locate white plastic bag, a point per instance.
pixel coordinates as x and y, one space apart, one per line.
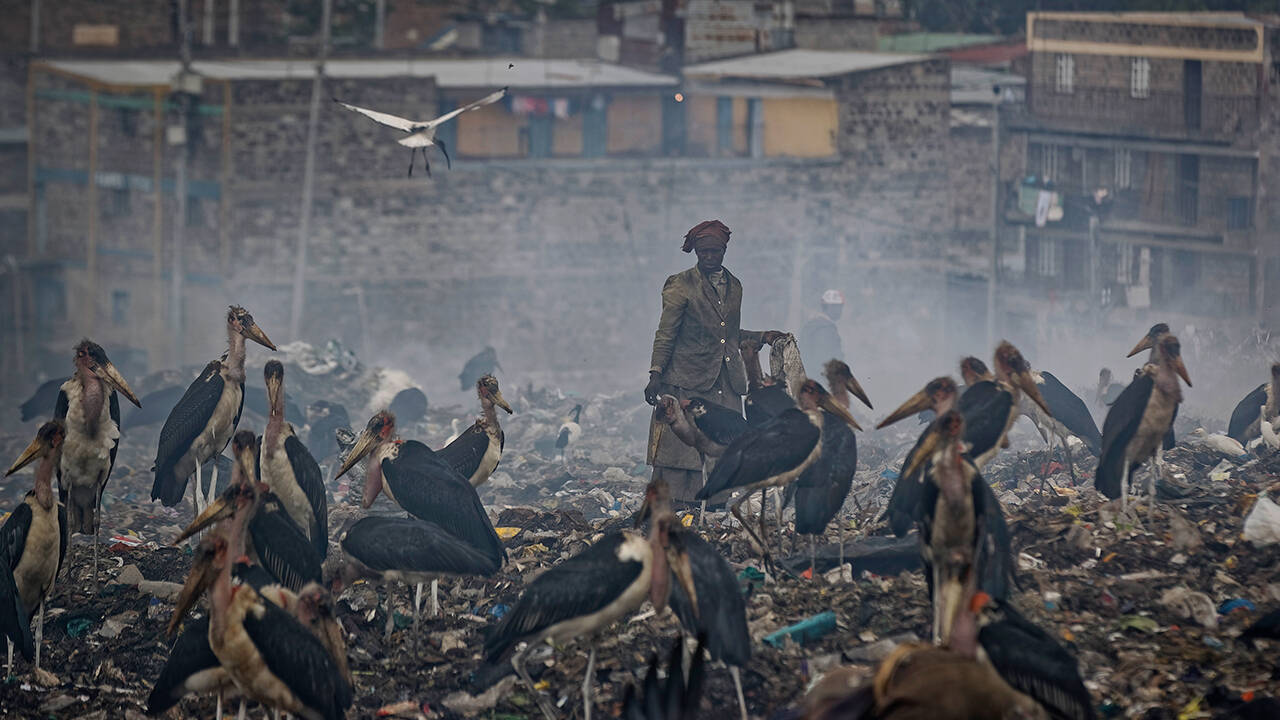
1262 527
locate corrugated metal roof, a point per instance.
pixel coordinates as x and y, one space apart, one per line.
925 42
448 73
970 85
799 64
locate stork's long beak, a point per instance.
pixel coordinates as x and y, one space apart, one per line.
254 333
1144 344
34 450
275 394
829 404
915 404
678 559
1181 370
1027 384
364 444
112 377
855 387
500 402
218 510
928 447
203 572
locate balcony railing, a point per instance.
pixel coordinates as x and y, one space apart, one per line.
1117 111
1181 206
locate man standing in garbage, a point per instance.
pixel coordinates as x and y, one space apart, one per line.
820 338
695 351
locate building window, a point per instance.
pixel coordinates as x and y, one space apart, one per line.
595 127
1050 161
1140 78
1239 216
1047 260
1124 263
116 202
1124 169
724 126
120 307
755 127
540 134
1065 80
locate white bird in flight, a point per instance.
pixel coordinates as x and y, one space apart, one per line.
422 133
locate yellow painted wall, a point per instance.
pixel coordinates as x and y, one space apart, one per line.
566 136
490 131
799 127
700 118
739 126
635 124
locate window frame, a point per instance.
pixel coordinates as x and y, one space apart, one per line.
1140 78
1064 81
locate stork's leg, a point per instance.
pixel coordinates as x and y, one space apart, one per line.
778 496
586 683
1071 465
936 571
8 667
417 604
1124 487
240 715
764 499
39 635
813 557
97 535
212 492
391 618
413 154
218 711
735 508
517 662
840 525
435 597
197 492
737 685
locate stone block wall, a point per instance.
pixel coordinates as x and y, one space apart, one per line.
834 33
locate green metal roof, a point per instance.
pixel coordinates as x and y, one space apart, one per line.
924 42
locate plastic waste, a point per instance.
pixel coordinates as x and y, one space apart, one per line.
811 628
1191 604
1234 604
1262 527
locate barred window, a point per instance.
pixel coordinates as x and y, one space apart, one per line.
1140 78
1065 81
1124 169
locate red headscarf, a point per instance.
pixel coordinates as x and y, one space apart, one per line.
710 229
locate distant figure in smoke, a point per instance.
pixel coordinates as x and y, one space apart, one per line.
481 364
820 338
695 351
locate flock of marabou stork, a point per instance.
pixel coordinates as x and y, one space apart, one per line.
270 636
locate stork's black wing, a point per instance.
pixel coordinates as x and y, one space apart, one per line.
905 503
1118 429
767 402
985 407
43 399
189 655
185 422
282 547
674 698
584 584
299 660
61 406
761 453
430 490
1247 411
156 406
255 576
1267 626
722 611
466 451
306 472
1033 663
1068 409
15 619
822 488
411 545
721 424
994 558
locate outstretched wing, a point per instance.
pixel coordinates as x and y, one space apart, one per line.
382 118
486 100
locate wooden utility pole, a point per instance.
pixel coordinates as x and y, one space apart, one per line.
308 179
995 218
186 107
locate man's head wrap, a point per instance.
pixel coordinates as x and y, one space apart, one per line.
711 230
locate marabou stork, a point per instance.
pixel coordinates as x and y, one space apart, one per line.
1068 415
410 405
720 621
774 453
270 655
1140 418
570 431
668 410
476 452
1108 391
1265 627
422 133
323 417
990 404
202 423
191 669
156 408
408 550
477 366
720 424
679 698
766 396
33 541
423 484
42 399
259 402
288 468
1261 405
822 488
964 541
1148 342
594 589
90 410
938 397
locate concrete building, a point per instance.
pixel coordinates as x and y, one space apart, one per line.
1145 158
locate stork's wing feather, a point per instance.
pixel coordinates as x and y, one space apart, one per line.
1070 410
985 407
299 660
760 453
382 118
430 490
722 611
307 474
1118 429
189 655
466 451
1036 665
905 503
15 621
185 422
767 402
721 424
822 488
412 545
584 584
1246 412
282 547
486 100
62 405
44 396
995 555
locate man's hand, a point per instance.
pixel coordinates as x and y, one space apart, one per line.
772 336
652 390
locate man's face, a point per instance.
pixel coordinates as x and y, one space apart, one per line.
710 255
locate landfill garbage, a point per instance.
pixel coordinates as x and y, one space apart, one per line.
1191 605
807 630
1262 526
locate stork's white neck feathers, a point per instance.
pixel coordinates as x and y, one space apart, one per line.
235 355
